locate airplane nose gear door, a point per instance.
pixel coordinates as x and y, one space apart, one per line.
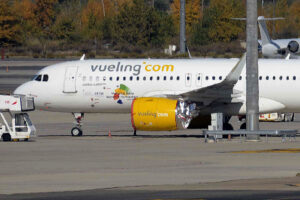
70 80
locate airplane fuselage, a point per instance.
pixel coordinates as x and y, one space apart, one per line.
111 85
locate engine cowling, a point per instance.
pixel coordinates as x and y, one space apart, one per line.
160 114
293 46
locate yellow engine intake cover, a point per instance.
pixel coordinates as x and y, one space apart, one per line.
153 114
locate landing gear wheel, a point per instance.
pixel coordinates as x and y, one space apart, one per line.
227 126
243 126
6 137
76 132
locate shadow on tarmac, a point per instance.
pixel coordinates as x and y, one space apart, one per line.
128 135
118 194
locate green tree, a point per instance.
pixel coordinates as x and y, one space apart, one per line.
67 24
192 10
162 5
141 25
222 27
24 10
294 17
282 27
9 24
92 18
44 16
199 34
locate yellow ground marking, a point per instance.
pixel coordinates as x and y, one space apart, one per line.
290 150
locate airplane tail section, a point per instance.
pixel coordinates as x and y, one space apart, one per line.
264 33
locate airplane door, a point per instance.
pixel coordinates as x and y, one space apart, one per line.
188 79
70 80
199 80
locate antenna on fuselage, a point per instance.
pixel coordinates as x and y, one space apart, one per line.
82 57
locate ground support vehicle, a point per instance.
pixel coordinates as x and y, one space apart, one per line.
19 125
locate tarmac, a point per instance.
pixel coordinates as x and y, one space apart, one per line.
152 165
180 160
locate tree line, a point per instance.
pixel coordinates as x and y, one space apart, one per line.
102 27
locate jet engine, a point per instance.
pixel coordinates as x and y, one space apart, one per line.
161 114
293 46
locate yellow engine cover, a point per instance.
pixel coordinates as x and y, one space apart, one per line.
153 114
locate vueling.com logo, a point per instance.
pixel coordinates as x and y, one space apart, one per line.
156 68
134 68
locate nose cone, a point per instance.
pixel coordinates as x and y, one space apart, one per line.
22 89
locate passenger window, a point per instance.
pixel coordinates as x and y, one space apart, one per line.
198 78
267 77
124 78
240 78
38 78
206 78
137 78
104 78
220 77
118 78
144 78
294 78
178 78
188 78
287 78
171 78
84 78
213 78
260 78
131 78
165 78
280 77
45 78
157 78
274 78
151 78
110 78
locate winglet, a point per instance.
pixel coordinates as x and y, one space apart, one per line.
82 57
235 73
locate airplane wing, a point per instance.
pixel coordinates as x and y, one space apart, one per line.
222 92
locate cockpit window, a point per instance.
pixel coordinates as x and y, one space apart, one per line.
45 78
38 77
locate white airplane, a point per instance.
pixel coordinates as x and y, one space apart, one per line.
275 48
162 94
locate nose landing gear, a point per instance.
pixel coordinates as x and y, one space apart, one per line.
77 131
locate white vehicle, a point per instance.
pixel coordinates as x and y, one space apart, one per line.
20 126
275 48
163 94
277 117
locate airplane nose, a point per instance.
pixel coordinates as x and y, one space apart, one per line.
22 90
